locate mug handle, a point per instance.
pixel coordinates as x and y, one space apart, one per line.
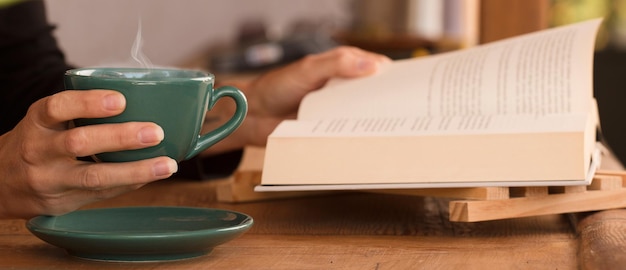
214 136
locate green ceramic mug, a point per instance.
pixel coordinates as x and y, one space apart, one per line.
175 99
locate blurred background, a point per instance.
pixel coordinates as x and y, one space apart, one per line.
248 36
101 32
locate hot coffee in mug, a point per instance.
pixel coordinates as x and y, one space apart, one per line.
175 99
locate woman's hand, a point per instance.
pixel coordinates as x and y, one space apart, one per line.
276 95
39 170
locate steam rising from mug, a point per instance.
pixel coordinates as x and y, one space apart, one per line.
136 52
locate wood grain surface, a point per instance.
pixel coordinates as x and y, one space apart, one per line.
337 231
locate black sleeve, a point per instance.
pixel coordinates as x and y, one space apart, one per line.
31 63
211 167
32 67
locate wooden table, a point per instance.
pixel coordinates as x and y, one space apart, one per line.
356 231
342 231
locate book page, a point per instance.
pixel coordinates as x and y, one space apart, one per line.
546 72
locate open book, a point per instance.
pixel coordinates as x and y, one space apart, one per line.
517 112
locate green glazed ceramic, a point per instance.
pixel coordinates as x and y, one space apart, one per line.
175 99
140 233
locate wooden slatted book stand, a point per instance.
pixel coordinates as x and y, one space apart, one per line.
607 191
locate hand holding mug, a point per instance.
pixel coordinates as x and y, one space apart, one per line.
42 175
176 100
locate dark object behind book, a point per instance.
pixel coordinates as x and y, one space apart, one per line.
255 51
610 92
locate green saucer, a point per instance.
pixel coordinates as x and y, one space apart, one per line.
140 233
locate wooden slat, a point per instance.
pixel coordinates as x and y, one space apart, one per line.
619 173
606 182
471 211
567 189
528 191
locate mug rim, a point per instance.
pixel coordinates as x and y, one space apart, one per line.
201 75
